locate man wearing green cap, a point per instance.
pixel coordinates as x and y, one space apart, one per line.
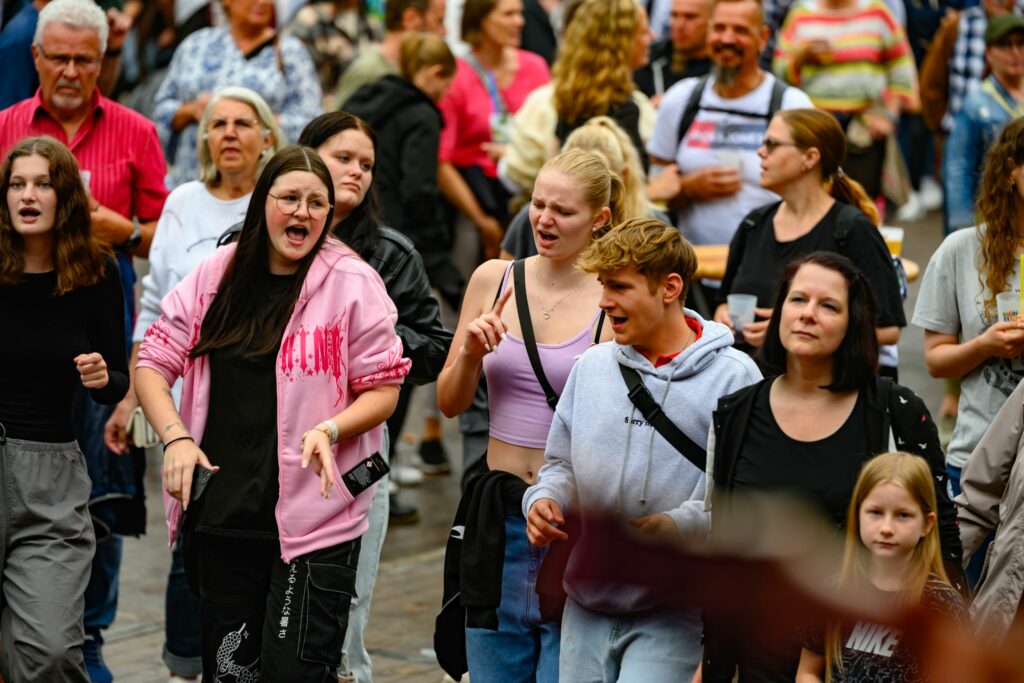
983 115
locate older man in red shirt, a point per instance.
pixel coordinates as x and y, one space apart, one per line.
123 168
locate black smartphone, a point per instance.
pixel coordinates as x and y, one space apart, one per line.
200 478
365 474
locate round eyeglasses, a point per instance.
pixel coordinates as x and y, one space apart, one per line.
288 204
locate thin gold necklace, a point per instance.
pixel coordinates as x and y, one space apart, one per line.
547 311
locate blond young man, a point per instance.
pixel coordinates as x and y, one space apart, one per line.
602 455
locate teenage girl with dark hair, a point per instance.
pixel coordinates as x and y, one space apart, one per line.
63 315
287 328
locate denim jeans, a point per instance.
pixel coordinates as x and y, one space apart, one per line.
183 653
977 563
355 659
524 649
102 591
651 647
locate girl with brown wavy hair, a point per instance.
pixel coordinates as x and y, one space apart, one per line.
593 76
822 209
63 314
963 335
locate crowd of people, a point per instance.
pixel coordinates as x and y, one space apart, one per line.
499 201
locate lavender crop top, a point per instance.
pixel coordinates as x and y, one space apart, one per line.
519 410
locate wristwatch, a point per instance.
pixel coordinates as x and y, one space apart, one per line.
133 241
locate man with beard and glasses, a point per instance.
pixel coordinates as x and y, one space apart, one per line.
123 168
708 129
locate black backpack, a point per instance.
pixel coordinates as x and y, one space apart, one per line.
693 105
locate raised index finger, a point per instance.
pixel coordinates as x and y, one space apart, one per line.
499 305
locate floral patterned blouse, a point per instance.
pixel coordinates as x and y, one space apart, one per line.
280 70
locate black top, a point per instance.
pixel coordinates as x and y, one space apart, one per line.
241 438
42 334
408 127
769 460
757 258
880 652
661 64
627 115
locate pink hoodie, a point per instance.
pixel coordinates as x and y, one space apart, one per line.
339 342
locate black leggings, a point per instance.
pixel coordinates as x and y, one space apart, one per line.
262 619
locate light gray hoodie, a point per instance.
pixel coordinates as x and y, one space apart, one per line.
603 456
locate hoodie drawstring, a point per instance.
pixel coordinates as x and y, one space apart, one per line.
650 448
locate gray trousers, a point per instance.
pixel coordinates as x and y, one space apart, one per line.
46 549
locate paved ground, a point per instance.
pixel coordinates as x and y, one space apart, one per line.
409 588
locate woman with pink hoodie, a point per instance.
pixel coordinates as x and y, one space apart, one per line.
287 351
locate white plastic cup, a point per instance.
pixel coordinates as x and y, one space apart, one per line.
741 309
893 239
731 157
1008 304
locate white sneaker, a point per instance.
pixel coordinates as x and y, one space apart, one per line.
931 194
913 210
403 475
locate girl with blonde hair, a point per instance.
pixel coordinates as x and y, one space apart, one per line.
605 137
541 306
593 76
892 555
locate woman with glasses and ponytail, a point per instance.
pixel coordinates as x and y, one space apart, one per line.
822 209
286 347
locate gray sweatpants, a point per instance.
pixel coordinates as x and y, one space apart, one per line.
46 549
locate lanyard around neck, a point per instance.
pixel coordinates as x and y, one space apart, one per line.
1010 106
486 77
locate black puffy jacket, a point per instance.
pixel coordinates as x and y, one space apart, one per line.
408 128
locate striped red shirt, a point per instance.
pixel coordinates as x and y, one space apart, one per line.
118 147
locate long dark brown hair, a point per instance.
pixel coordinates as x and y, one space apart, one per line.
234 317
361 230
998 212
78 257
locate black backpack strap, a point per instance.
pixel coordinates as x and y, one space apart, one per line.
501 285
692 107
652 412
526 324
600 324
779 88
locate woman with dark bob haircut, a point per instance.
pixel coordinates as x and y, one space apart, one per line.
63 320
286 347
807 428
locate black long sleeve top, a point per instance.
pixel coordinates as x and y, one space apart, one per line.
41 335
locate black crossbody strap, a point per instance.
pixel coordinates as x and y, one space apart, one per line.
600 325
653 413
523 309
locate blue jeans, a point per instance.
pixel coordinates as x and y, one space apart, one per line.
650 647
977 562
524 649
183 653
101 592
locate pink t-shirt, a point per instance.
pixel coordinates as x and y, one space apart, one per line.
467 108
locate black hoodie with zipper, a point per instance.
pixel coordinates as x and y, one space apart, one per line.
408 127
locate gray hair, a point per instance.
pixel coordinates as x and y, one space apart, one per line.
77 13
208 172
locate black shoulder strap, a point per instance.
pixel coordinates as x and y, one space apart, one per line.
778 92
652 412
885 394
843 222
600 324
526 324
692 107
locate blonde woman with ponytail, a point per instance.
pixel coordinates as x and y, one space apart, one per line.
822 209
575 199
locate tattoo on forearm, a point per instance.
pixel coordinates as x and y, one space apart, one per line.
168 428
